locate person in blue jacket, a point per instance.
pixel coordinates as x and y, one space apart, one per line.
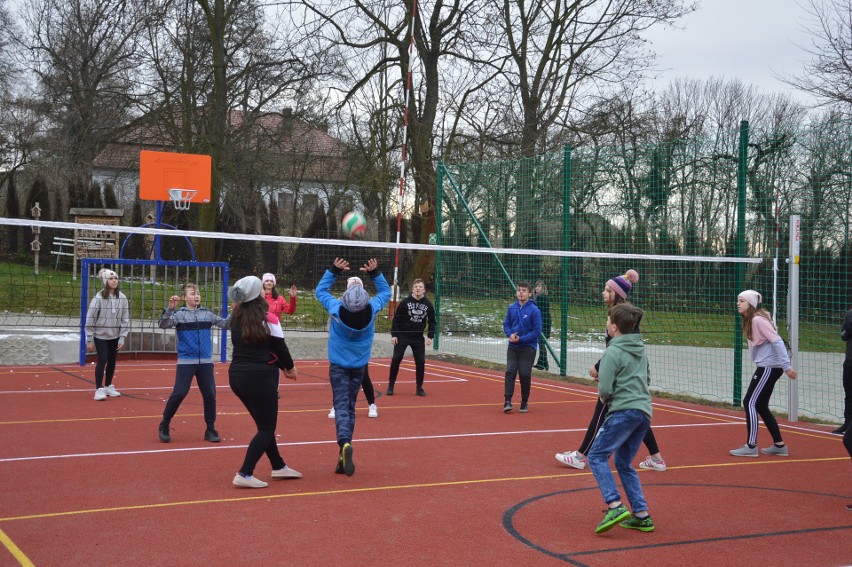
195 357
350 340
522 327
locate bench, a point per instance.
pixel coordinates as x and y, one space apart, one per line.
65 247
59 246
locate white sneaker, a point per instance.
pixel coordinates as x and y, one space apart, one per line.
331 414
100 394
112 392
286 472
248 482
373 412
653 465
572 459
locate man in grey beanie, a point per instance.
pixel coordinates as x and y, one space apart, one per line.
350 340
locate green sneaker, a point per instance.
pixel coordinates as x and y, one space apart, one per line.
612 517
645 524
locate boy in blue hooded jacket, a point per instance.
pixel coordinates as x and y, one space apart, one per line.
522 327
350 340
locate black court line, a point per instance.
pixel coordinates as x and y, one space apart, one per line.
508 524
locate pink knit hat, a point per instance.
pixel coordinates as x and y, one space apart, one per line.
268 278
354 280
623 284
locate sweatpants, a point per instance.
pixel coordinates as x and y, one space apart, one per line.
256 385
756 403
418 350
519 362
107 350
205 376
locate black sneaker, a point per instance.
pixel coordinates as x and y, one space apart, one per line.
389 391
507 407
524 408
164 433
421 392
539 367
211 435
339 468
840 430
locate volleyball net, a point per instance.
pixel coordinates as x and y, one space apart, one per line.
692 337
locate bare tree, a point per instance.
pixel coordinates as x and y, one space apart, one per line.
828 75
219 70
84 54
379 33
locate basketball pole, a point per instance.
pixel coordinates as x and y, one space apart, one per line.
405 109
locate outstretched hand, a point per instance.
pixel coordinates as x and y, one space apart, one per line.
341 264
371 265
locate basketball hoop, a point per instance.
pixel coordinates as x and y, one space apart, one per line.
181 198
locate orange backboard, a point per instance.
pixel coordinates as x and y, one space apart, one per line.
161 171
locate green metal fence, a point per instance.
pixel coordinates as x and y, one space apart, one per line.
691 208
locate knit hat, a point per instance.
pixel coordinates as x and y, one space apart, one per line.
752 297
106 274
354 280
623 284
269 277
355 299
245 289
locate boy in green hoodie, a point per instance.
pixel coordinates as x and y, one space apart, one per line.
623 386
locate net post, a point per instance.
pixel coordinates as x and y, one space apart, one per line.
793 314
563 262
739 270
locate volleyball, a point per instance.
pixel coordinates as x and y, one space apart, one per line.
353 225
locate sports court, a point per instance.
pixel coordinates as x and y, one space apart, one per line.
443 480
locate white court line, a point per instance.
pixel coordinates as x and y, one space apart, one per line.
333 442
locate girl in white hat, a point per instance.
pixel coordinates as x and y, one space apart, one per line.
769 354
107 325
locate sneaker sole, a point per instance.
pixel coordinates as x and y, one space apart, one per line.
775 454
507 410
348 465
643 467
754 456
612 523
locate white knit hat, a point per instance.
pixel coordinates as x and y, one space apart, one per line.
752 297
354 280
105 274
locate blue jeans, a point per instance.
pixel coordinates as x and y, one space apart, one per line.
621 433
345 384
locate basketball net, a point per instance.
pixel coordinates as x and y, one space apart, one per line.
181 198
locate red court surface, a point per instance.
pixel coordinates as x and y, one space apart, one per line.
443 480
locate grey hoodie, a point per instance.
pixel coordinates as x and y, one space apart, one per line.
108 318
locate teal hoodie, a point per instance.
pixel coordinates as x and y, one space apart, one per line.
623 377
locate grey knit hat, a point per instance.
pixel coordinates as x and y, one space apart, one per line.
245 289
355 298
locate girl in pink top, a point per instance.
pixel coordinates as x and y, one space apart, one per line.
277 303
769 354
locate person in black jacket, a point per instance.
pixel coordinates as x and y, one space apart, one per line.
259 352
409 322
543 303
846 335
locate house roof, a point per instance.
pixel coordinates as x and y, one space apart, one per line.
278 145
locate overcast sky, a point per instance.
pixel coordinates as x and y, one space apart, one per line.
748 39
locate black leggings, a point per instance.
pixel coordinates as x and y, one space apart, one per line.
256 385
107 350
367 386
595 424
756 403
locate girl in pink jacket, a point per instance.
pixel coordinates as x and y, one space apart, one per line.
769 354
277 303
